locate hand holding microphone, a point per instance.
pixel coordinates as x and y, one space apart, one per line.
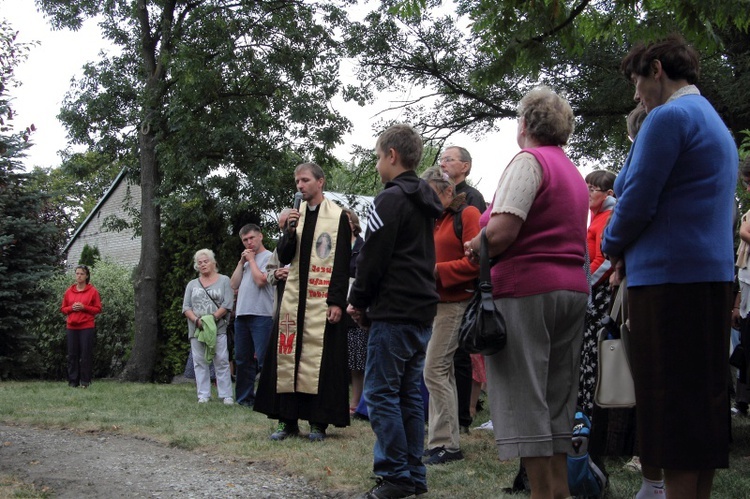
297 202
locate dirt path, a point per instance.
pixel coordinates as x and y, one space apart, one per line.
76 465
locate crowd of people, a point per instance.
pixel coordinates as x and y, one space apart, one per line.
328 306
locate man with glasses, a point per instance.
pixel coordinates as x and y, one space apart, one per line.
456 162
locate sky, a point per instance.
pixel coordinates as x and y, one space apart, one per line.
46 77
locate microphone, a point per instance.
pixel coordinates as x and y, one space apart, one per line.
297 203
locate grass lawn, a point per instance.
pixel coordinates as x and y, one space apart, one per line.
342 464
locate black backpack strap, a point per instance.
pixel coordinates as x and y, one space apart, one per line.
458 224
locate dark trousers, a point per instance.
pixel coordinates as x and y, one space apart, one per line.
462 370
80 355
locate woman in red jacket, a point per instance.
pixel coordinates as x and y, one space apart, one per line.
601 204
81 303
455 277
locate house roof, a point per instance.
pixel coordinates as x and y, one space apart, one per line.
96 209
361 205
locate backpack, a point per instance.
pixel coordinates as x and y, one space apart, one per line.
458 224
585 479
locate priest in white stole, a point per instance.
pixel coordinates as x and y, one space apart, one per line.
305 370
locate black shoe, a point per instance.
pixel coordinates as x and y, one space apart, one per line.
440 455
284 431
317 433
520 483
740 409
387 490
464 429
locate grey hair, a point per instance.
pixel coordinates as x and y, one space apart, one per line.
435 176
208 253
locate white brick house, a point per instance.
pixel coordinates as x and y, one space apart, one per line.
122 247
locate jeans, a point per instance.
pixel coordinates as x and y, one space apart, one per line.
80 355
393 373
251 333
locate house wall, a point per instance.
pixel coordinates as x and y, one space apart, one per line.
120 247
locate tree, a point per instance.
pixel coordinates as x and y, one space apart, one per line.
476 63
199 87
76 186
114 326
89 255
29 240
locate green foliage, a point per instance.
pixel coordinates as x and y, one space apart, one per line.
200 222
476 63
743 196
744 149
114 325
241 88
29 239
89 255
77 185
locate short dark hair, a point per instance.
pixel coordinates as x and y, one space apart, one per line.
678 59
603 179
314 168
405 141
248 228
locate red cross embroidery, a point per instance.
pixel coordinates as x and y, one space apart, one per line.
286 335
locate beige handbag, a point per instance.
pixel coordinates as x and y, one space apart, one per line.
614 384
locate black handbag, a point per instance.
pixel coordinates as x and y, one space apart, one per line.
482 328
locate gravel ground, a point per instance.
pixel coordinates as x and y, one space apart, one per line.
75 465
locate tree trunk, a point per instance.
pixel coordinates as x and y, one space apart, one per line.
140 366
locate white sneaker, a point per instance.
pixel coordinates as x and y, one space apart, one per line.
202 400
228 401
485 426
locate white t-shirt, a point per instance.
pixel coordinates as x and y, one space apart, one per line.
252 300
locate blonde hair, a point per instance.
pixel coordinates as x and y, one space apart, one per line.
208 253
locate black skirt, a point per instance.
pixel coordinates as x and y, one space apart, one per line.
679 353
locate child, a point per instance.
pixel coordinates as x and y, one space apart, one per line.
394 295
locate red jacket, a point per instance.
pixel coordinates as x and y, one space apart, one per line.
456 274
92 305
599 266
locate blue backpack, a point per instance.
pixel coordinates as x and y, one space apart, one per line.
585 479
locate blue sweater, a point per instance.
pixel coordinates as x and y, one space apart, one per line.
673 219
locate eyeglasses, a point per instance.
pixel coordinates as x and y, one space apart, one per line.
450 159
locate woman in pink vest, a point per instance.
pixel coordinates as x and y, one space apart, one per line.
536 228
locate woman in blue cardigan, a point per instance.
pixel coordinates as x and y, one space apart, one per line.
671 232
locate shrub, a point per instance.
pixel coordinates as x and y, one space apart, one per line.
114 326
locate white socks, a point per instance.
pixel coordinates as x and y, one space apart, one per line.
651 489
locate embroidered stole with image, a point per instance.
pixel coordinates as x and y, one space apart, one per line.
304 377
